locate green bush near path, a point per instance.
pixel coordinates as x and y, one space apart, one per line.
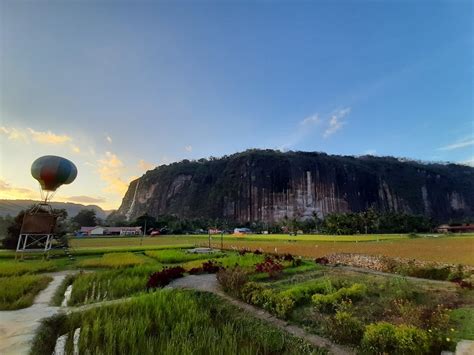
170 322
20 291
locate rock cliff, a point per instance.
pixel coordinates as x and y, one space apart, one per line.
266 185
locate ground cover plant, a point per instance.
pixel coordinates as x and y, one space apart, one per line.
14 267
247 260
353 309
169 322
110 284
20 291
174 256
113 260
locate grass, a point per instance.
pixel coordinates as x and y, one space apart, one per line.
169 322
15 268
247 261
463 319
20 291
178 256
59 293
113 260
112 284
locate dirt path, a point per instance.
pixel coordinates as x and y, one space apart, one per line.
17 328
209 283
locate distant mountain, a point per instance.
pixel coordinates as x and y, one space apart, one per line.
266 185
12 207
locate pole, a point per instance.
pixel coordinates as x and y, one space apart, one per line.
209 232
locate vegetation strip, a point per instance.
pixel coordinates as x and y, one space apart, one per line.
260 314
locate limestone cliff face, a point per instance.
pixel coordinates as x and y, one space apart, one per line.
269 185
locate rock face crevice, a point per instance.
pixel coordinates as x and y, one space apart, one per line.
268 186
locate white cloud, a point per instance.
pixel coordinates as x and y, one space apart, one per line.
188 148
111 170
84 199
336 121
75 149
466 142
8 191
48 137
311 120
42 137
108 138
144 165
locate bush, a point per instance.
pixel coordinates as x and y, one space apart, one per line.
164 277
386 338
211 267
344 328
270 266
232 280
276 303
329 301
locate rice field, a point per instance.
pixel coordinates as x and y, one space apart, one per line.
110 284
113 261
20 291
168 322
15 268
173 256
447 249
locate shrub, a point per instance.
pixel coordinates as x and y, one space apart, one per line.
322 261
270 266
196 271
386 338
329 301
211 266
280 304
344 328
164 277
232 280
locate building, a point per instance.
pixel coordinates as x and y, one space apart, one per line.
241 231
462 228
99 231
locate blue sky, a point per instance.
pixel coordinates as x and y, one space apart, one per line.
119 87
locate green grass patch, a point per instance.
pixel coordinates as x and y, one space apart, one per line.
113 260
15 268
247 261
463 319
170 322
59 293
112 284
174 256
20 291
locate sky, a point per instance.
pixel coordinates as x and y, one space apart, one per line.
119 87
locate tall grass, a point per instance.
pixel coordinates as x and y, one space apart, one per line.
19 291
108 285
178 256
172 322
246 261
13 267
113 260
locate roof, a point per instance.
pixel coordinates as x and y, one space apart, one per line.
111 229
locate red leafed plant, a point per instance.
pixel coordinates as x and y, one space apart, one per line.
164 277
270 266
211 267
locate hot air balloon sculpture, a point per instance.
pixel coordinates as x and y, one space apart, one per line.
37 229
52 172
